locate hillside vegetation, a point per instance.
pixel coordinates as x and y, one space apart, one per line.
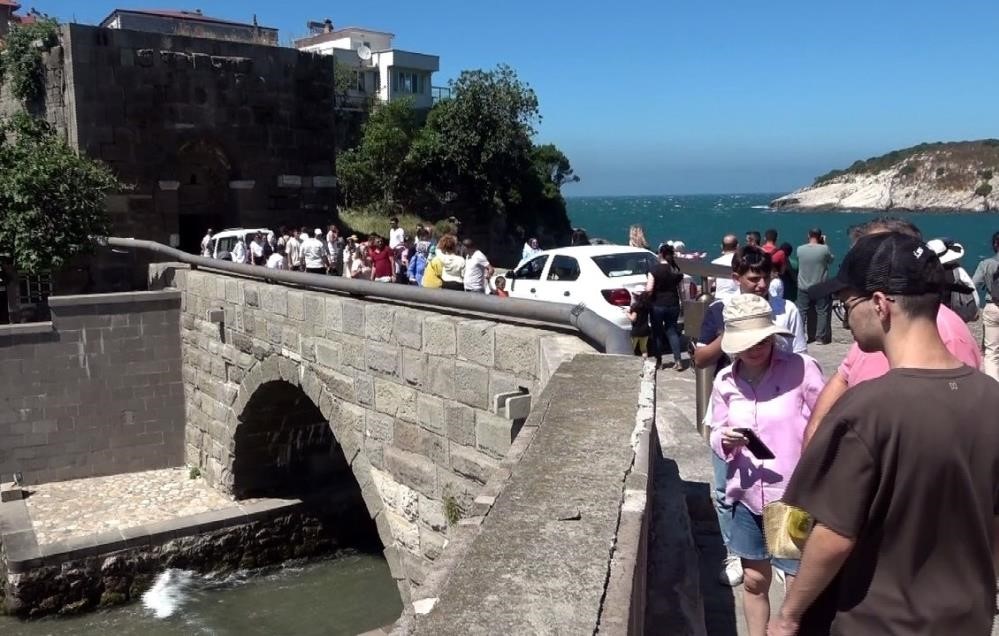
983 154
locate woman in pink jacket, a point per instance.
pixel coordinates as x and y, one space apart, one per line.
767 396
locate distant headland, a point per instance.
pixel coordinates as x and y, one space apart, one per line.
952 176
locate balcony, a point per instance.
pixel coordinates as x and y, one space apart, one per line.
439 93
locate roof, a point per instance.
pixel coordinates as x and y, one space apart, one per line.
319 38
180 14
24 19
10 3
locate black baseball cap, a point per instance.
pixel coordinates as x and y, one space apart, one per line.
890 263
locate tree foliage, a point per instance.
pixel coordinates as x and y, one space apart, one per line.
21 60
983 190
51 199
474 158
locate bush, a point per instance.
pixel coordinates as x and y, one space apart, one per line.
985 174
983 190
21 61
941 172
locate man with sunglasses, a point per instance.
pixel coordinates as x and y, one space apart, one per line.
859 365
902 478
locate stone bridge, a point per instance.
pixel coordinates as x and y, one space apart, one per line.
286 387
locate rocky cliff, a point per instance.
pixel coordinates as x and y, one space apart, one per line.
931 177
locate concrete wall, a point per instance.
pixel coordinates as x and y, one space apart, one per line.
406 390
97 391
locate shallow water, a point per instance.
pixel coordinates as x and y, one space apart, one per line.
346 595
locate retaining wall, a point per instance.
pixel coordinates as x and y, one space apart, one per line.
96 391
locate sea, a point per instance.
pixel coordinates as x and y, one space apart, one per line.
701 220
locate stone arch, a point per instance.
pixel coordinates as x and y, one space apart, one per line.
342 421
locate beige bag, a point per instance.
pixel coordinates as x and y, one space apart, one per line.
785 529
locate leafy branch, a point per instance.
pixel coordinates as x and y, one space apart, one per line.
21 60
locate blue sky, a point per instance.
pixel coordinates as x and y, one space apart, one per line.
686 96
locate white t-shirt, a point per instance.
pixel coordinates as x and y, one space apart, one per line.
256 248
397 236
293 248
239 252
206 246
276 261
312 252
725 287
475 271
776 288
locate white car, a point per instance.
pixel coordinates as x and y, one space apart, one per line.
224 241
603 277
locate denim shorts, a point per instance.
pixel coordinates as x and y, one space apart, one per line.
747 542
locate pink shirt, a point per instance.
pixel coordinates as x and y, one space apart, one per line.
859 366
778 411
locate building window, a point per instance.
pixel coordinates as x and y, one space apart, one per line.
359 80
410 82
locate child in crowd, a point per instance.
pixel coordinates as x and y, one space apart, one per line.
641 329
501 287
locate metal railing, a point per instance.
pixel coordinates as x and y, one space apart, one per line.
597 329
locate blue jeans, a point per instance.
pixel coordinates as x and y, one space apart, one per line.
722 508
664 328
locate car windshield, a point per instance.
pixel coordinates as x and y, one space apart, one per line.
625 264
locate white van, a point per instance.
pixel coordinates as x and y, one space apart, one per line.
224 241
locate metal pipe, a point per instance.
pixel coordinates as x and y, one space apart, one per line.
596 328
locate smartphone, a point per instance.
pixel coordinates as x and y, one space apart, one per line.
755 445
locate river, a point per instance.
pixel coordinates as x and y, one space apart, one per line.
346 595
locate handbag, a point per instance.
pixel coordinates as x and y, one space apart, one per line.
785 529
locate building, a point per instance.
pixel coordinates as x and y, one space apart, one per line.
189 23
377 69
8 17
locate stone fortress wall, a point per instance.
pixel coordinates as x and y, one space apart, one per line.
97 391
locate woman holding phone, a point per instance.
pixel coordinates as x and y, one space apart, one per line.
760 405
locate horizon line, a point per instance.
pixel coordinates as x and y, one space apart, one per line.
669 194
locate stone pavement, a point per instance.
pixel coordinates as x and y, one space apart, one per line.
81 507
680 442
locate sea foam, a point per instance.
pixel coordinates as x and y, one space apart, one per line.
168 593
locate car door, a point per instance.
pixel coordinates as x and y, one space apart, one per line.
561 281
524 281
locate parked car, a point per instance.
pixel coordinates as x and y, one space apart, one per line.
603 277
225 240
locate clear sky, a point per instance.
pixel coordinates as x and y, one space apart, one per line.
687 96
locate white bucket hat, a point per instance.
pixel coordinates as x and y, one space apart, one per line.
946 250
748 320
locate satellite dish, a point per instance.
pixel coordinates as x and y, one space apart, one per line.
364 52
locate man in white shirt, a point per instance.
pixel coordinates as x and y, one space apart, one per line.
314 253
727 287
206 244
239 251
531 249
277 260
293 251
397 235
477 269
257 249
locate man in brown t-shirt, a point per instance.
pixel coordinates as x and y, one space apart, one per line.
902 478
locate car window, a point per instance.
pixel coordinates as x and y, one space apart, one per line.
626 264
531 270
226 244
564 268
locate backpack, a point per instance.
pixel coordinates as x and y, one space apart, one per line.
963 304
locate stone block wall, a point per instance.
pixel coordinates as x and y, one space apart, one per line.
407 391
97 391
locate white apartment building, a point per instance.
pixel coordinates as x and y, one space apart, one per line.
377 69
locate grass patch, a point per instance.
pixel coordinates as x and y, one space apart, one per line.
368 220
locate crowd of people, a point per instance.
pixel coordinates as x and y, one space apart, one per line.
419 258
886 458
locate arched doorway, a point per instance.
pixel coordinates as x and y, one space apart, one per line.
285 448
203 172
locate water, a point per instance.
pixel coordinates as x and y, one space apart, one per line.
701 220
346 595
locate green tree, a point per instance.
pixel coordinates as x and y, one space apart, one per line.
983 190
51 201
371 172
553 165
21 59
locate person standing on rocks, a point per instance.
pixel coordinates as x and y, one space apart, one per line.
901 479
814 258
987 277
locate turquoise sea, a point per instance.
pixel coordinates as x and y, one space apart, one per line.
701 220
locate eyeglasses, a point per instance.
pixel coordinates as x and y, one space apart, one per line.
843 309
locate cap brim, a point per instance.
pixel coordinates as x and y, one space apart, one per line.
827 287
735 342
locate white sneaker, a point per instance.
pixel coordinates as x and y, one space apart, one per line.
731 574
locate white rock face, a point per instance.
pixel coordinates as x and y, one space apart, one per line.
916 187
